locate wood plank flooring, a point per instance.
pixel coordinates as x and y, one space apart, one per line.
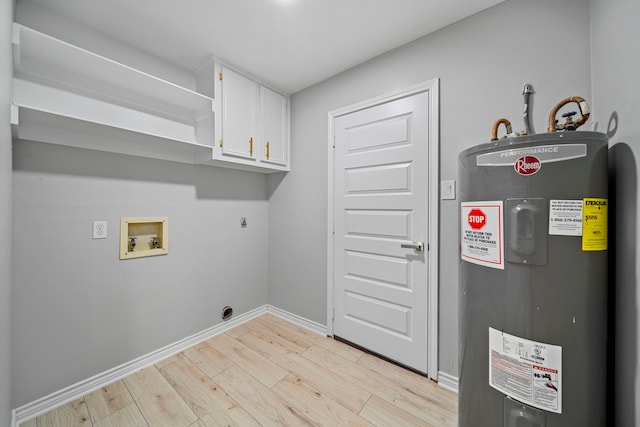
266 372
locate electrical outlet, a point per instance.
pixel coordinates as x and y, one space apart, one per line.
99 229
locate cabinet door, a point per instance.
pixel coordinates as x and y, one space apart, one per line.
239 115
274 118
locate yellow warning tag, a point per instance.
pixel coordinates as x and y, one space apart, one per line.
594 224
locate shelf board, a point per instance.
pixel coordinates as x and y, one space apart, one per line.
34 125
68 104
42 58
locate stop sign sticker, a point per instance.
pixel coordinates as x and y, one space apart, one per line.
477 219
482 237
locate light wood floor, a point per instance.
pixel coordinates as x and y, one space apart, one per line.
266 372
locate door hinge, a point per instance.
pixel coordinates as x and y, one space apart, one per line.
220 75
333 313
334 141
220 143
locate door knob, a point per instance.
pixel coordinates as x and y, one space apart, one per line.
417 246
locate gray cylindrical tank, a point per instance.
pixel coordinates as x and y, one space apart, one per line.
548 287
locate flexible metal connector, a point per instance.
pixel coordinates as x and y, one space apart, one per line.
527 91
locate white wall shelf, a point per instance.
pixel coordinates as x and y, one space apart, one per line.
67 95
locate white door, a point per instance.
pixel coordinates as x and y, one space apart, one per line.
380 212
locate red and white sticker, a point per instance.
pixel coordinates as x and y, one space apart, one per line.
526 370
482 235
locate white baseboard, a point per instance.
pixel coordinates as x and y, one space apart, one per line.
76 391
299 320
447 381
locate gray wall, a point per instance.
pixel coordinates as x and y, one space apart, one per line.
483 63
77 309
6 73
616 87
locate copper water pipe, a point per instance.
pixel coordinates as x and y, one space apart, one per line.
494 129
584 111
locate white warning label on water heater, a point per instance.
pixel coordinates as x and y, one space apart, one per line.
565 217
525 370
482 233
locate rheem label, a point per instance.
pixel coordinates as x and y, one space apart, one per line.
527 165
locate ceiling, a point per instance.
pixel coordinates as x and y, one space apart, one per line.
287 44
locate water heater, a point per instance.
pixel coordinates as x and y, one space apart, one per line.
533 281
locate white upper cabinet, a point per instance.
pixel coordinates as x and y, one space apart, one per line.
239 116
67 95
254 129
275 127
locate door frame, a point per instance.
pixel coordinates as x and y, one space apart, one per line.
432 253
